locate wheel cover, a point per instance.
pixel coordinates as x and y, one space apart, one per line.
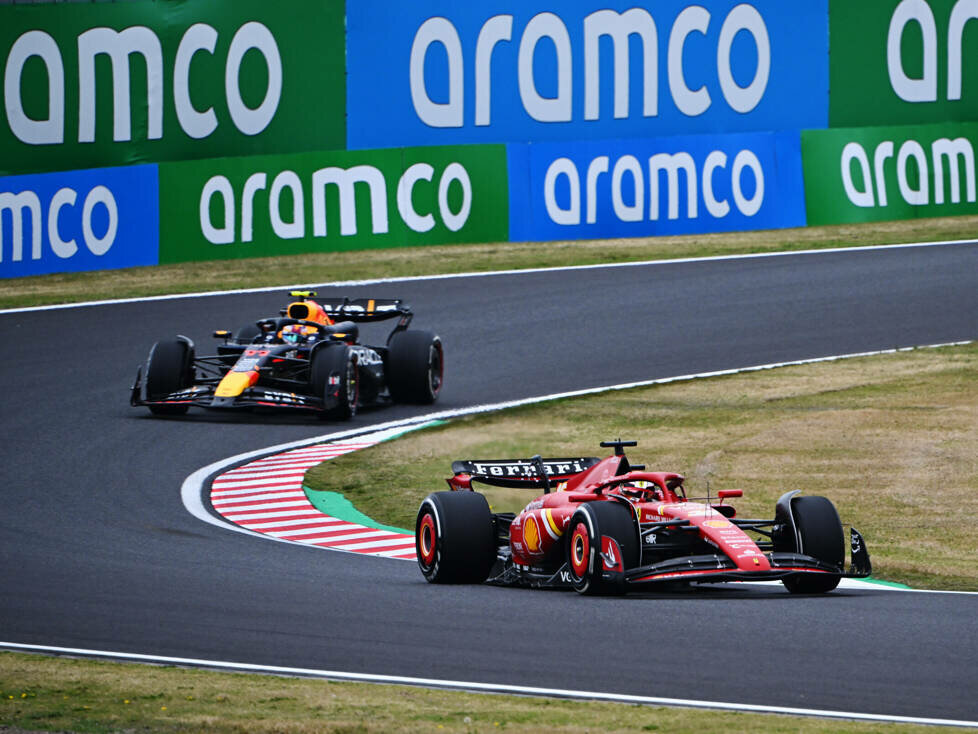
580 550
427 540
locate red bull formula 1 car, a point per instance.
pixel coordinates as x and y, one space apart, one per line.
608 526
308 358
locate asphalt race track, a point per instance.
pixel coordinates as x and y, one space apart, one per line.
98 552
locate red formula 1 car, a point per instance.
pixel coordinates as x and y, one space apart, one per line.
607 526
308 358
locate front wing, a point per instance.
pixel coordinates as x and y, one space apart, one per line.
202 396
698 569
713 568
717 568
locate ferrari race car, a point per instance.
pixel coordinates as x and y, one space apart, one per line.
608 526
308 358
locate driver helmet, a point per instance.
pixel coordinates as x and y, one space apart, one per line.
295 333
640 489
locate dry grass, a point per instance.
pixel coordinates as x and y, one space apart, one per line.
892 440
335 266
58 694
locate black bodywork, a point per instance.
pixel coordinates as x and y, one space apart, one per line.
288 374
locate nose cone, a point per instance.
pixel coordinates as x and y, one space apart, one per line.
235 383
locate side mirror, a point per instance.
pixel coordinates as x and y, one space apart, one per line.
222 334
728 493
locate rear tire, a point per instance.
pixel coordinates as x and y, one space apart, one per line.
169 369
334 379
822 538
415 367
587 525
454 538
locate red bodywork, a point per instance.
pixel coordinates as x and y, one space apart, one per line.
538 532
603 526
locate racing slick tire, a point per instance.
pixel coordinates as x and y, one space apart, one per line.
454 538
170 368
591 521
415 367
246 334
821 537
334 379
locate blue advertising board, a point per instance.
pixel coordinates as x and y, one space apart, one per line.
97 219
683 184
438 72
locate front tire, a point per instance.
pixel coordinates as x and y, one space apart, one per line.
169 369
822 537
415 367
334 379
587 525
454 538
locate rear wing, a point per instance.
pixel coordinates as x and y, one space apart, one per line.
519 473
367 309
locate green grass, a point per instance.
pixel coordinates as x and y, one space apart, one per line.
891 440
60 694
405 261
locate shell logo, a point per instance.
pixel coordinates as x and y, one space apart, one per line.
716 523
531 534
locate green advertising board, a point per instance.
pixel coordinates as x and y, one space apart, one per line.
878 173
92 85
896 62
329 201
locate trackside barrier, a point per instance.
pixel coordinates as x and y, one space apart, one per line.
671 185
118 83
332 200
903 62
539 122
441 72
877 173
80 220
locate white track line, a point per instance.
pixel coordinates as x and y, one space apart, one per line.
193 486
487 274
244 519
486 687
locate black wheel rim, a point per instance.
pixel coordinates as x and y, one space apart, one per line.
435 369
